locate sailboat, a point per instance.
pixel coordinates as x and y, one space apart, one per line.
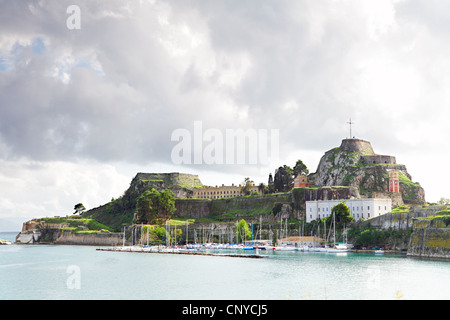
285 247
337 248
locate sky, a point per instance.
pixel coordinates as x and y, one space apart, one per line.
93 92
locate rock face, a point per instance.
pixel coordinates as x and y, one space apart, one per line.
5 242
355 163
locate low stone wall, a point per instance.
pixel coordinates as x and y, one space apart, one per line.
90 239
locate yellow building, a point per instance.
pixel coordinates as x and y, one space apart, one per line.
223 191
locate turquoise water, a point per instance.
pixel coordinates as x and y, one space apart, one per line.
77 272
10 236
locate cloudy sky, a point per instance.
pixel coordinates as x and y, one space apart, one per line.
88 100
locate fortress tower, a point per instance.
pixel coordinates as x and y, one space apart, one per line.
393 181
357 145
367 153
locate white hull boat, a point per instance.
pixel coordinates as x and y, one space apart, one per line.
337 250
285 249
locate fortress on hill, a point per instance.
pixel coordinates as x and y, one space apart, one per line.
351 171
355 163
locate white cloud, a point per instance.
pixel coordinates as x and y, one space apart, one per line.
31 189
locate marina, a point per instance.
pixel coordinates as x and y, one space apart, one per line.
241 251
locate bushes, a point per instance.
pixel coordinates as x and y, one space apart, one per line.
373 237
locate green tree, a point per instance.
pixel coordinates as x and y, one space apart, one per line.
342 213
300 168
145 207
262 188
79 208
283 180
166 204
243 231
247 185
154 207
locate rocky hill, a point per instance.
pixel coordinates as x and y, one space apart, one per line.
120 211
355 163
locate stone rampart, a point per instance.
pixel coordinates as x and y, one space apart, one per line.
357 145
430 239
377 158
401 220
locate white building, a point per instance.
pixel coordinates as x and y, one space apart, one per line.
359 208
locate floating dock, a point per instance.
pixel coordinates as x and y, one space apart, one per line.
180 251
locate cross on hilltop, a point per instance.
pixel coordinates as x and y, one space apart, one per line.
350 124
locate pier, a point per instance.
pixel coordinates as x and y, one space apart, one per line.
163 250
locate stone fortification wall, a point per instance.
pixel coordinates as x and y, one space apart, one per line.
196 208
59 236
90 239
192 208
430 239
401 220
376 158
288 204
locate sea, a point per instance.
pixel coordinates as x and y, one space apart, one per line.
55 272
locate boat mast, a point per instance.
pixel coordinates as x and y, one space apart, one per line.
260 228
334 228
286 230
123 244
